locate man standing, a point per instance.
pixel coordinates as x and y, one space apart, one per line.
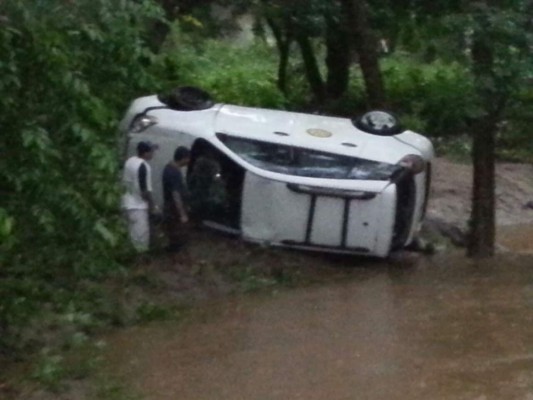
175 195
137 201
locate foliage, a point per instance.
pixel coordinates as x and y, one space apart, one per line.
68 71
238 75
514 138
50 371
505 30
500 60
435 97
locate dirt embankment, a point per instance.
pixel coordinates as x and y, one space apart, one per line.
451 189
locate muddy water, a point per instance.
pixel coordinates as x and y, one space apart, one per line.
443 328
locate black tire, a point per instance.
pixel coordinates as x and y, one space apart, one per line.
378 122
187 98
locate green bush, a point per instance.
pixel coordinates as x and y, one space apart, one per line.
68 71
514 139
434 97
237 75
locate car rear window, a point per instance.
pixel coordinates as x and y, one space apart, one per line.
299 161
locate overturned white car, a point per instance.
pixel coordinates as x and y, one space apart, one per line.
290 179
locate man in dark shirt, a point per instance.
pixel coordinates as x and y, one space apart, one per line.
175 195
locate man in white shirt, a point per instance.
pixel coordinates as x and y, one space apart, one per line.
137 200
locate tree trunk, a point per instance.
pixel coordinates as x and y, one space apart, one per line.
283 64
367 49
482 221
338 57
283 43
311 68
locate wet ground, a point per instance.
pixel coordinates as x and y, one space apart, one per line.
439 328
451 193
434 328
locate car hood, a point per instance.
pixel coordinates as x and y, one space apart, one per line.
324 133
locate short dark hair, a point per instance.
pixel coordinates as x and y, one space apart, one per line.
145 147
181 153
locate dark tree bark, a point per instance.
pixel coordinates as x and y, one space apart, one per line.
482 221
311 67
367 49
338 56
283 43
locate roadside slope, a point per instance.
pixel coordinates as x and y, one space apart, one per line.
452 186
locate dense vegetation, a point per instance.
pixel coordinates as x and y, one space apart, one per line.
69 69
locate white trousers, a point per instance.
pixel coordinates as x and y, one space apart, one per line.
139 229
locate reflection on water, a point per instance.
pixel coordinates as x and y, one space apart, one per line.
446 328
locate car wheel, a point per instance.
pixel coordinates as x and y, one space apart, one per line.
380 123
187 98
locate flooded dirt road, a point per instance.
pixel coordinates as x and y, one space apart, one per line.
443 328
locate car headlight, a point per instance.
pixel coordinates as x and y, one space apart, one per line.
415 164
142 122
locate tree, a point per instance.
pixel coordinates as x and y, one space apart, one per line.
339 52
492 38
342 26
175 9
284 36
300 22
501 59
367 49
68 71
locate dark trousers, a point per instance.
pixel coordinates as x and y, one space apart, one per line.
174 230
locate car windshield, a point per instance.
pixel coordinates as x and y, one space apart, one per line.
298 161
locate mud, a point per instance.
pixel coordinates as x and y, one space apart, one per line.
445 328
451 191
